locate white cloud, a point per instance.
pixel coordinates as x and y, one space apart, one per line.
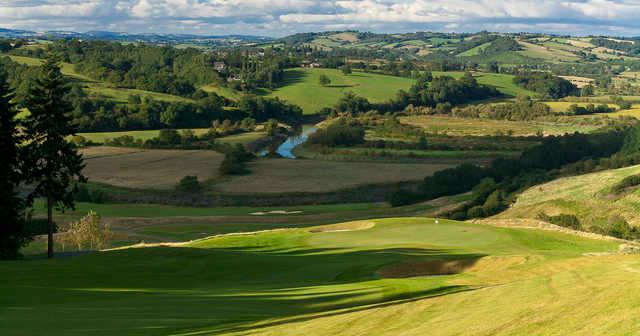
277 17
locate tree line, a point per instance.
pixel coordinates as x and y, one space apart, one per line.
494 187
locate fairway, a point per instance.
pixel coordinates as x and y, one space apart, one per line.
302 87
331 280
284 175
148 168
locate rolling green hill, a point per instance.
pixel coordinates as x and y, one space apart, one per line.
302 87
360 278
99 88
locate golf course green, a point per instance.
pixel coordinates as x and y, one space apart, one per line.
411 274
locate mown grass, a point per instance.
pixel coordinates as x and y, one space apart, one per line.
293 282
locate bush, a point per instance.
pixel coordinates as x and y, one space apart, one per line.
189 184
627 182
568 221
400 198
339 133
84 194
618 227
234 161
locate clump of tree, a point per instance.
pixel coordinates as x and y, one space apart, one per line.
522 109
235 160
546 84
352 103
339 133
575 109
324 80
189 184
262 109
429 91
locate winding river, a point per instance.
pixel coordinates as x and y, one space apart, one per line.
286 148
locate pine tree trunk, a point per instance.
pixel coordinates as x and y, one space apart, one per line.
50 226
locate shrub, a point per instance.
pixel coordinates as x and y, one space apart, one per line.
618 227
234 161
339 133
88 232
568 221
627 182
189 184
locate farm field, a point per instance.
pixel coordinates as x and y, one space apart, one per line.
285 175
101 137
148 168
548 53
406 274
302 88
586 196
479 127
242 138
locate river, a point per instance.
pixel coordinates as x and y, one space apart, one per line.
286 148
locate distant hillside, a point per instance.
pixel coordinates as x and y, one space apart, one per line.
204 40
588 197
482 47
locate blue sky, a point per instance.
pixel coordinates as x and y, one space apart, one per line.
284 17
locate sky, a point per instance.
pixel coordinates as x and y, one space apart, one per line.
284 17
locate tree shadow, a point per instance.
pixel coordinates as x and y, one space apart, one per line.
220 289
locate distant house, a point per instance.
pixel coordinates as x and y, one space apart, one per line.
309 64
219 66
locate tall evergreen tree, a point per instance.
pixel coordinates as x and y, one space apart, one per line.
13 234
53 163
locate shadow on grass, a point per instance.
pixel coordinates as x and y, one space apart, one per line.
209 290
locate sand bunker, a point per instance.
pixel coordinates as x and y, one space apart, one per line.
342 227
418 268
276 212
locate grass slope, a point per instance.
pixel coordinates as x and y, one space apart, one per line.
375 280
503 82
586 196
302 87
98 88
